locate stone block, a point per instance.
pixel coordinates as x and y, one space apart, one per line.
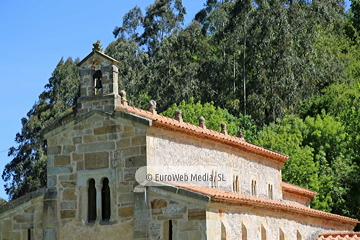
141 234
112 136
69 194
137 161
196 214
169 217
68 184
123 143
141 224
141 214
90 139
77 157
126 212
68 205
68 149
96 147
128 128
52 141
108 129
77 140
188 226
96 160
131 151
102 138
194 235
126 198
67 214
80 166
127 134
52 150
49 234
155 226
24 218
61 160
59 170
158 203
51 181
176 210
138 140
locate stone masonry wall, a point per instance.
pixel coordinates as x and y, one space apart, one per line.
234 222
188 219
179 150
97 146
18 219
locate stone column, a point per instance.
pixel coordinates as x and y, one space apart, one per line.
98 202
141 213
50 215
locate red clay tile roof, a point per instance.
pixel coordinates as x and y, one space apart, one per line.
219 196
339 236
173 125
287 187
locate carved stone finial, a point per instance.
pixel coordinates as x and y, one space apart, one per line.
152 106
178 116
240 134
97 46
123 98
223 129
202 122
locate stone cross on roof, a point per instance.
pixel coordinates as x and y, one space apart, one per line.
97 46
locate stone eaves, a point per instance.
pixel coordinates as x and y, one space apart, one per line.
339 236
101 54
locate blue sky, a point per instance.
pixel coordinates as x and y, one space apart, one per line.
34 35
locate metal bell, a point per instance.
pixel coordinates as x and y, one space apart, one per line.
97 77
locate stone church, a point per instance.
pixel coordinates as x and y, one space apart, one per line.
94 160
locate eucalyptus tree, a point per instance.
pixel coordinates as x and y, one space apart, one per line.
27 170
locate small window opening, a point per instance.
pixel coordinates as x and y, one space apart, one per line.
91 201
270 192
29 234
168 230
243 232
237 184
263 233
298 235
105 200
223 232
281 233
97 81
253 187
216 183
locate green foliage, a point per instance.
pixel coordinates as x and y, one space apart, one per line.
214 116
320 158
27 170
2 201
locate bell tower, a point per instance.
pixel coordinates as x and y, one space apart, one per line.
98 82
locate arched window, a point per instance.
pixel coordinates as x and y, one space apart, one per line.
298 235
263 233
243 232
282 235
270 192
223 232
91 201
105 200
253 187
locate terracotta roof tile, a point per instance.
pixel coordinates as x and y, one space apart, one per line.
287 187
339 236
216 195
174 125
